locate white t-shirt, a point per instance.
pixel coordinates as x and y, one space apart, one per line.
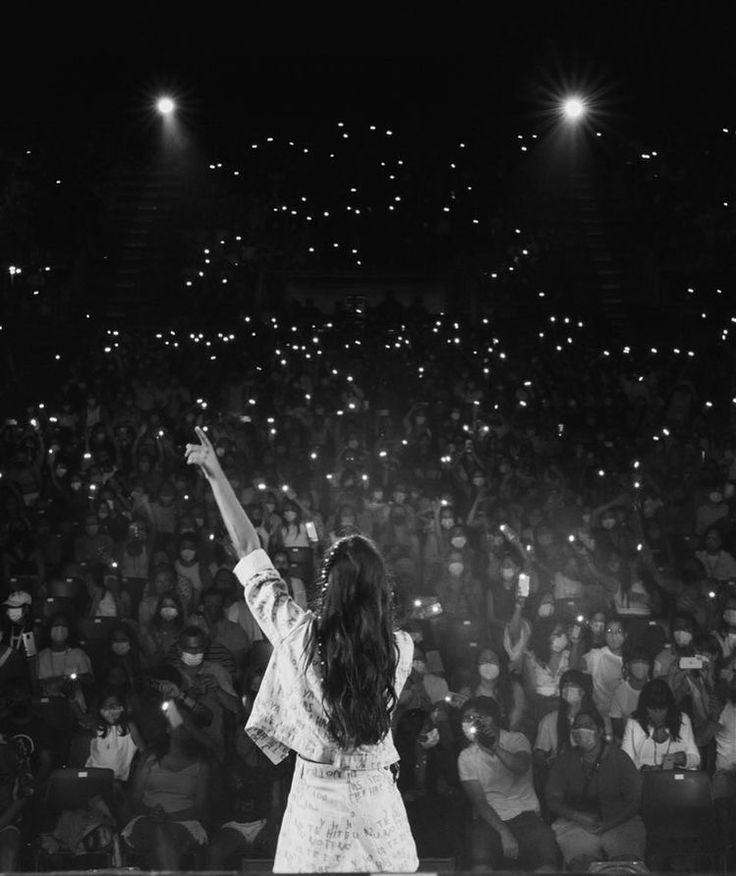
605 668
508 793
644 751
624 701
726 739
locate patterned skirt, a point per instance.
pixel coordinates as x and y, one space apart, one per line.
344 821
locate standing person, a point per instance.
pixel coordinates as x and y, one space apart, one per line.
328 693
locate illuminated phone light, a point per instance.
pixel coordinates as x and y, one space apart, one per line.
712 594
261 486
580 618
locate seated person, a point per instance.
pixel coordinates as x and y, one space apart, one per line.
170 798
637 672
546 659
554 731
594 794
722 725
493 679
658 735
14 796
62 669
159 637
495 773
227 642
116 740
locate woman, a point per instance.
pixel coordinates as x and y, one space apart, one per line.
493 680
554 732
62 669
328 693
637 671
162 581
658 735
116 741
546 659
160 636
605 666
169 793
594 793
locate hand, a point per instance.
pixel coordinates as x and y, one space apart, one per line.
208 682
430 739
510 846
203 455
587 821
670 761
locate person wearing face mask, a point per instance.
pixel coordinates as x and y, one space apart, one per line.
19 631
122 660
493 680
227 643
594 795
293 538
658 735
458 591
717 563
554 731
710 512
134 554
116 740
666 663
495 774
158 638
637 671
605 666
92 544
206 683
437 544
62 669
192 575
546 658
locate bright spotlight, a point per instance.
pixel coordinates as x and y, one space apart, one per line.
165 106
573 108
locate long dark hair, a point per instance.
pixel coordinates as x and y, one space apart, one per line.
587 705
352 641
657 694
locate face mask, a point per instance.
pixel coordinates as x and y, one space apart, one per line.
478 482
508 574
447 523
559 643
546 609
220 451
729 616
199 521
103 514
15 614
169 613
192 659
419 666
458 541
399 498
187 555
456 568
640 670
469 730
121 648
572 695
455 416
489 671
682 638
111 716
584 736
716 498
76 486
608 523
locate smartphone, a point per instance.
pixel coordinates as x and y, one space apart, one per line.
696 662
311 531
522 588
173 715
456 700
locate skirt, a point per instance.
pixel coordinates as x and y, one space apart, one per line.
344 821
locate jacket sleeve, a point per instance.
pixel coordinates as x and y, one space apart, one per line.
268 597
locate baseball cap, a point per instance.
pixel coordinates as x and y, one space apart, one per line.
18 598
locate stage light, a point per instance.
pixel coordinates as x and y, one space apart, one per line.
573 108
165 106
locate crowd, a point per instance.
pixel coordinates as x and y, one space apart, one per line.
560 534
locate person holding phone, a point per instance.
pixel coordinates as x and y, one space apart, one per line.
328 693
